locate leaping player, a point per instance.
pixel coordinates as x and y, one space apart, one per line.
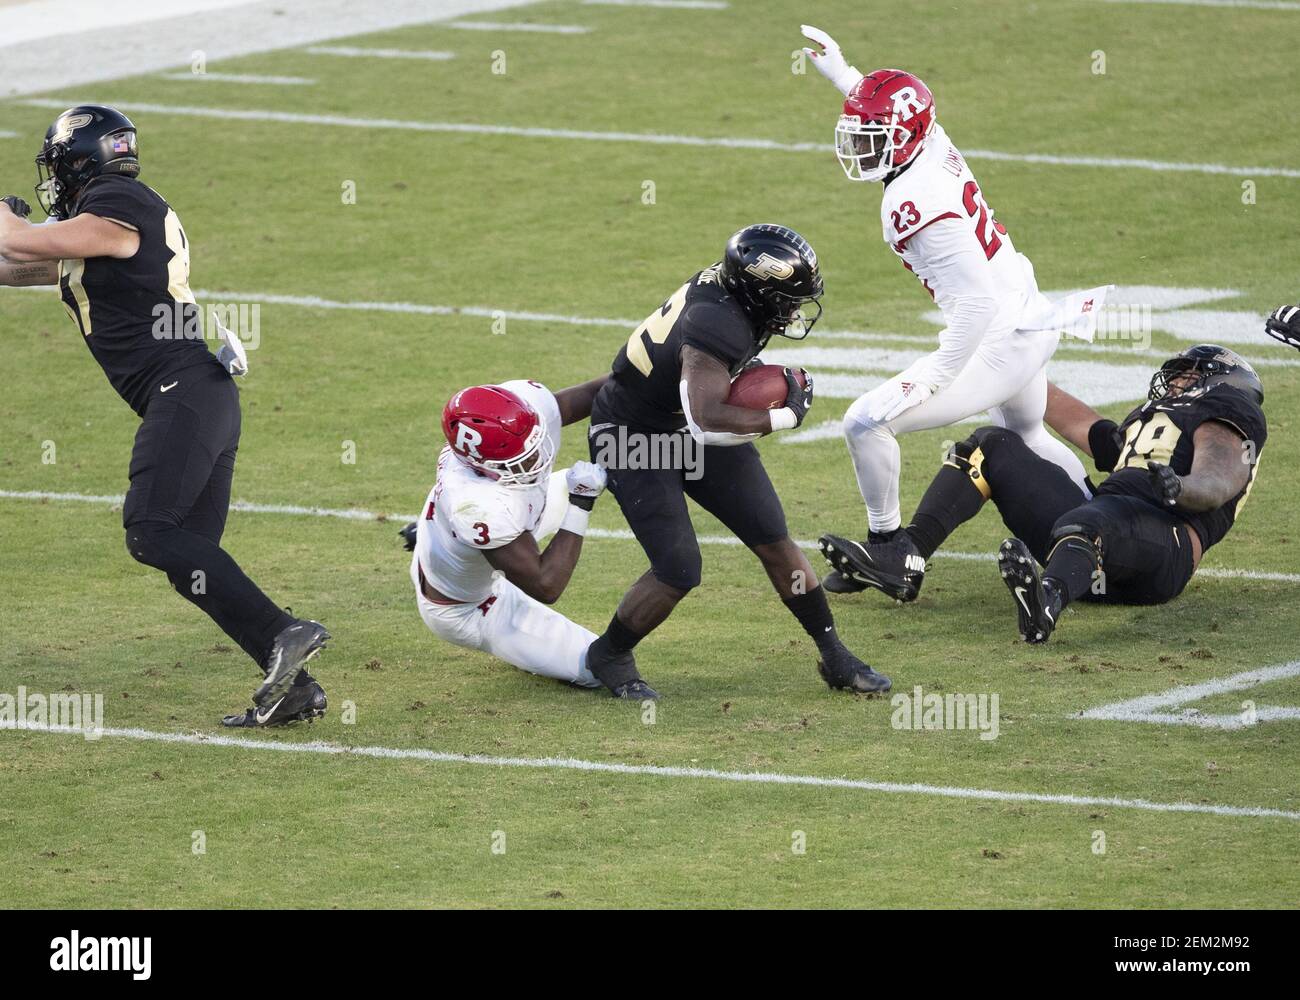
1001 331
480 579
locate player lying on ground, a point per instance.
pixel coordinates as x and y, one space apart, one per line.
1001 331
1181 466
494 499
122 261
673 378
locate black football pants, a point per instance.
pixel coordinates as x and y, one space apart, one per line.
175 510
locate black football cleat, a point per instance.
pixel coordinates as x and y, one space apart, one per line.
845 672
617 671
1038 605
836 582
407 535
303 703
895 568
293 647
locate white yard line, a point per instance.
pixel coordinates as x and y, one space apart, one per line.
1160 708
282 81
527 316
537 132
647 770
1247 4
541 29
615 534
72 54
669 4
356 52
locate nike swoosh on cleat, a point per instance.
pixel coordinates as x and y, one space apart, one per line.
261 717
1020 596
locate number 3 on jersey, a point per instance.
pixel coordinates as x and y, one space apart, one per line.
656 328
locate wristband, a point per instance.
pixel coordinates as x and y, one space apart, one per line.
575 520
783 419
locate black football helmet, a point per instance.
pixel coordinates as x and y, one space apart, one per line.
84 142
772 272
1212 365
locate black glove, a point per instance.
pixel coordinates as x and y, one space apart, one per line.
754 362
407 535
798 398
1166 483
1284 325
16 205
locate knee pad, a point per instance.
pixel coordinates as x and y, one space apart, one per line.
680 566
989 457
1079 530
147 543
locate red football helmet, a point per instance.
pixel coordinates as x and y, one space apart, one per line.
496 433
887 118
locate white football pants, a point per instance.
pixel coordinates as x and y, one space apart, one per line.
1007 376
511 625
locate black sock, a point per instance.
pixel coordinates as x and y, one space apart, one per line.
621 639
814 614
1071 568
951 500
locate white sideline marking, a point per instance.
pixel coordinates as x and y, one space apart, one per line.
545 29
1159 708
616 534
672 4
287 81
6 134
355 52
344 121
1250 4
182 27
699 773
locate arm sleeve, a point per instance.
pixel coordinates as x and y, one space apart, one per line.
961 277
724 438
117 201
719 331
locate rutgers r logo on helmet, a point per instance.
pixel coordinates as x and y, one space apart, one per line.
768 267
907 103
468 440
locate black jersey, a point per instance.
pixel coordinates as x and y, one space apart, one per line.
645 388
1163 431
138 315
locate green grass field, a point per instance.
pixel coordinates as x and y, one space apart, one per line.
559 226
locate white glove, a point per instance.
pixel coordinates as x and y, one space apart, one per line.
232 355
585 479
897 398
829 60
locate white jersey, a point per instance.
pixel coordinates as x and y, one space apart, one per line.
468 513
935 218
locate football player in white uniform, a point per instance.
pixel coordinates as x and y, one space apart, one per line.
480 579
1001 331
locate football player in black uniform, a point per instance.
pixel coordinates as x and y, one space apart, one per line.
673 378
1181 466
121 258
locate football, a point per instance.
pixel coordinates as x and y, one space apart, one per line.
761 387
